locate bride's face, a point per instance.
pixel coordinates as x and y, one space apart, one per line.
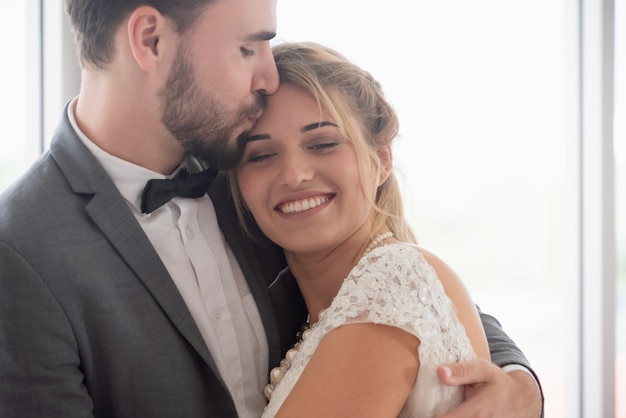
300 176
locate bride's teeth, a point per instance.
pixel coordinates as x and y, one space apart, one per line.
302 205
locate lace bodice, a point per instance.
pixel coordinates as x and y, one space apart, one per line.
394 285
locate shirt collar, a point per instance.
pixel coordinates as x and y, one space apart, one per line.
129 178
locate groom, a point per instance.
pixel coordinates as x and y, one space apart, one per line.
113 306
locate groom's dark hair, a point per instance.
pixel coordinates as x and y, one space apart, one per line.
94 22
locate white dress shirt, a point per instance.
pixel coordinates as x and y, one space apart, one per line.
187 238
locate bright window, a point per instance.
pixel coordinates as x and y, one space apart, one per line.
620 188
481 89
20 87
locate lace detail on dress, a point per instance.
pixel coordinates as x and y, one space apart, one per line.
394 285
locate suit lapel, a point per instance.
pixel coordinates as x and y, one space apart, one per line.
256 273
281 307
110 213
122 230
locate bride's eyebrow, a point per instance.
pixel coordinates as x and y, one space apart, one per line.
305 128
317 125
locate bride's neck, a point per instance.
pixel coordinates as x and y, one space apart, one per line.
320 277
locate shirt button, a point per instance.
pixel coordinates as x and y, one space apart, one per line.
217 312
189 232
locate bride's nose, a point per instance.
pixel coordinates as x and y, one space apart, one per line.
295 169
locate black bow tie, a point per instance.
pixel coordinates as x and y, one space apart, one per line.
158 192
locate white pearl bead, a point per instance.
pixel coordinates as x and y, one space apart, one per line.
306 333
276 374
291 354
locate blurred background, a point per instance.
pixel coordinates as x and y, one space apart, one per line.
512 153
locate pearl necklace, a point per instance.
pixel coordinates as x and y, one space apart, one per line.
278 373
377 241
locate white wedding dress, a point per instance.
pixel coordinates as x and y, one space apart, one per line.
394 285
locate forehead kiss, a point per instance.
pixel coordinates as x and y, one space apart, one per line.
292 110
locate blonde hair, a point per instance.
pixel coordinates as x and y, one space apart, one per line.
342 88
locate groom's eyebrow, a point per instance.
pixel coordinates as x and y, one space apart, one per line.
261 36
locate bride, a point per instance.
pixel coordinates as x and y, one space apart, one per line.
316 177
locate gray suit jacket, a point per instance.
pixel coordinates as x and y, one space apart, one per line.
90 321
91 324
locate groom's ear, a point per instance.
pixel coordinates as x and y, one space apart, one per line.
149 34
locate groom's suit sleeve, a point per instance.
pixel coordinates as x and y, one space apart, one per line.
504 351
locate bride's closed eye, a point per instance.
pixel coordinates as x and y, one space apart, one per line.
324 144
258 156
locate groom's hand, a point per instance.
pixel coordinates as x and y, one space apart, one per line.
490 392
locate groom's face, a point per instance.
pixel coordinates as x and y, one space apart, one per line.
218 81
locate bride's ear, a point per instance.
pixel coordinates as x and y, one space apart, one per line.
385 157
